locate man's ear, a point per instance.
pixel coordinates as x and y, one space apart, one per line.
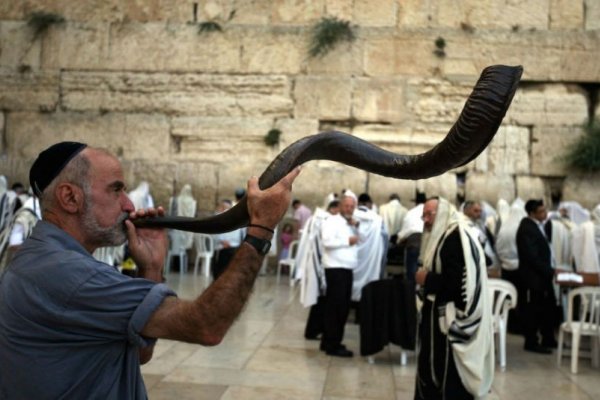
70 197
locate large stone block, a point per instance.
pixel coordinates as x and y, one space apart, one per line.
341 9
200 94
19 46
381 187
490 187
293 129
549 104
549 145
322 97
252 12
77 45
221 140
271 51
416 14
379 100
395 138
345 59
567 14
32 90
129 136
531 187
2 140
436 101
293 12
527 14
508 153
583 188
592 14
384 14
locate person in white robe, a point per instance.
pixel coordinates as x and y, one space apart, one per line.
184 205
141 197
393 213
586 244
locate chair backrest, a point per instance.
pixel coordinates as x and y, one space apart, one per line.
588 313
503 295
204 243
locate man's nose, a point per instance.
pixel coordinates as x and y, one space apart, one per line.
126 203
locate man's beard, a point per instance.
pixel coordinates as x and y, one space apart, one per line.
114 235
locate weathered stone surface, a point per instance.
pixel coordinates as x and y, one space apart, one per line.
221 140
252 12
2 150
17 45
379 100
293 129
322 97
549 145
203 94
509 151
342 9
397 139
583 188
77 45
381 187
384 14
549 104
435 101
31 90
133 136
272 51
489 187
566 14
296 12
592 14
345 59
530 187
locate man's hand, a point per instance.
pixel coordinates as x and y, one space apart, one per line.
421 276
267 207
353 240
148 246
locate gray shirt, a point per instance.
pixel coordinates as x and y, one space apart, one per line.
69 324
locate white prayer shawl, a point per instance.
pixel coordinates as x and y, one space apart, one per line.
141 197
412 222
576 213
561 245
473 356
506 241
393 214
185 207
371 249
586 244
308 260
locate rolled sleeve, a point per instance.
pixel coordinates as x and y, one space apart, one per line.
144 311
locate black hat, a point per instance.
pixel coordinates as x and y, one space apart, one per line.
50 162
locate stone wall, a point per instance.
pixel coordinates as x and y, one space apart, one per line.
179 106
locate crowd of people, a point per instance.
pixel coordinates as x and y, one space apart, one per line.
70 231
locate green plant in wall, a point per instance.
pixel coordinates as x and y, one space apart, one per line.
327 33
209 26
440 45
272 137
40 21
584 154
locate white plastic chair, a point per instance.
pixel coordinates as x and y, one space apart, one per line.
504 297
176 248
587 323
205 249
290 262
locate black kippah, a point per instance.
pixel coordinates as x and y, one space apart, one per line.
50 162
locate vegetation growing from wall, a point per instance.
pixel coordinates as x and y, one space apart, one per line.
328 33
40 21
272 137
584 155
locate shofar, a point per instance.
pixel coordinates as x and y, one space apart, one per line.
475 128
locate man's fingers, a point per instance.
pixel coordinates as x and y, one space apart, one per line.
253 184
290 177
131 234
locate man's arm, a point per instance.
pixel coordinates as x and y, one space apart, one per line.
206 319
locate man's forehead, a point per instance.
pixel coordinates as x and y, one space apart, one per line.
431 204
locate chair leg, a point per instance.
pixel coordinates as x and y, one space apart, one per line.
561 335
206 264
502 343
574 351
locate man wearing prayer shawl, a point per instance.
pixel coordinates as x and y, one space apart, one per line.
456 352
586 244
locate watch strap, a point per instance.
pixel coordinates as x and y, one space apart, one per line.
261 245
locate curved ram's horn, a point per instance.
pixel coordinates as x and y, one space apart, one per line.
472 132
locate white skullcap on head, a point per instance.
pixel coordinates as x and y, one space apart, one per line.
350 193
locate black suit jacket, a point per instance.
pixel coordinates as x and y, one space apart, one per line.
535 263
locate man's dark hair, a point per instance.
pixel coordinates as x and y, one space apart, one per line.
394 196
364 198
332 204
296 202
469 203
532 205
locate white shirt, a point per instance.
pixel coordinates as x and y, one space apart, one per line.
335 234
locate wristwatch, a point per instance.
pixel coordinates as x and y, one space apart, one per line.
261 245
